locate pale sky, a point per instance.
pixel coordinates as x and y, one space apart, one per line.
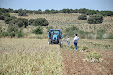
57 4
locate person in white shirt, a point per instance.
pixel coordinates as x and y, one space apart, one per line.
75 41
68 40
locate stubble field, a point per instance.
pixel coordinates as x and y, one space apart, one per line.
29 57
36 57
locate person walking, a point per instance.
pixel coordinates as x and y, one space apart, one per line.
68 40
75 40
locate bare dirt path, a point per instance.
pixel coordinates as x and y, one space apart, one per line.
74 64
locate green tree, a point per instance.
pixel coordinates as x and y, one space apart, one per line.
82 17
91 12
40 11
53 11
47 11
95 19
83 10
22 12
40 22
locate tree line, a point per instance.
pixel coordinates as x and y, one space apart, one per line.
47 11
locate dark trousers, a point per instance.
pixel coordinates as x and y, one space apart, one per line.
75 45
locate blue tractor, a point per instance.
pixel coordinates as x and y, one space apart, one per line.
55 36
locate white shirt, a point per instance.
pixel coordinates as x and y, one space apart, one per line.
68 40
76 38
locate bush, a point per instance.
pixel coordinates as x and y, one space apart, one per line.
25 21
12 28
2 17
100 33
40 22
8 19
1 13
22 13
82 17
16 22
12 34
38 30
6 14
110 36
31 21
20 34
4 34
20 22
95 19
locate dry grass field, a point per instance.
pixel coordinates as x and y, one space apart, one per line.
35 57
29 57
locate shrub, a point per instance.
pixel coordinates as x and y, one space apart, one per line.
20 22
40 22
12 28
4 34
8 19
6 14
12 34
95 19
110 36
38 30
20 34
1 13
22 13
16 22
31 21
82 17
25 21
100 33
2 17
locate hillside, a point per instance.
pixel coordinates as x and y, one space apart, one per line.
62 20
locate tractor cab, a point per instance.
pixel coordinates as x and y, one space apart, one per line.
54 36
